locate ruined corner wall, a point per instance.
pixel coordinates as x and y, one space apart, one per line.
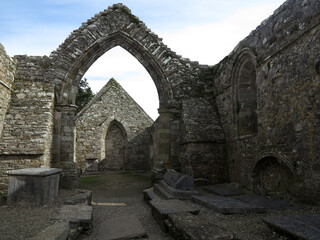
285 51
27 133
7 72
112 104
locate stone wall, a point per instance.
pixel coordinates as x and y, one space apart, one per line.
26 139
283 52
7 72
112 106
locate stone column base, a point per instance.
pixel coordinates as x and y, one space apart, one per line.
70 176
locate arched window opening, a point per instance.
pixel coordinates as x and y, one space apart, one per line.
246 97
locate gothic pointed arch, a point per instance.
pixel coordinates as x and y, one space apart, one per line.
115 26
245 94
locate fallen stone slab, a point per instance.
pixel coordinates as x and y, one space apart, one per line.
227 205
125 227
165 191
149 194
302 227
56 231
222 190
76 215
186 226
161 208
269 203
178 180
81 196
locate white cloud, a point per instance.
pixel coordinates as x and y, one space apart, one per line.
209 43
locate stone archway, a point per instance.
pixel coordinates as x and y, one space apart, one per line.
115 148
115 26
272 176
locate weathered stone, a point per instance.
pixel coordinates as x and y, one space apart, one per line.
186 226
178 180
83 196
126 227
303 227
269 203
57 231
165 191
227 205
76 215
222 190
161 208
33 186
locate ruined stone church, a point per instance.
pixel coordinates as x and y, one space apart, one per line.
254 118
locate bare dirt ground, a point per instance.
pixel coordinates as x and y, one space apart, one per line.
117 194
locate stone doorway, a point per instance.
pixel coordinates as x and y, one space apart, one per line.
115 148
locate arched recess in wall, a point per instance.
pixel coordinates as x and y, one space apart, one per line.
272 175
245 94
114 148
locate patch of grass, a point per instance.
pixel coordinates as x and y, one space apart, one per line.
89 179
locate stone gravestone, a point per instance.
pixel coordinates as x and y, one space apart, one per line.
33 186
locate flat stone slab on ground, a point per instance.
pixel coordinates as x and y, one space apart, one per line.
194 227
149 194
164 207
270 203
161 208
76 214
222 190
302 226
227 205
126 227
56 231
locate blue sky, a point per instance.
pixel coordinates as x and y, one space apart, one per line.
202 30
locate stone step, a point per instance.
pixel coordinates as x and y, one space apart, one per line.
222 190
227 205
125 227
193 227
302 226
161 208
269 203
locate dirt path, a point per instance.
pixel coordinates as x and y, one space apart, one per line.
117 194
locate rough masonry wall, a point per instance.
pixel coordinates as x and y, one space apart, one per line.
177 79
26 139
112 104
286 48
7 72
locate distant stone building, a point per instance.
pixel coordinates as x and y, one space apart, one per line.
254 118
113 128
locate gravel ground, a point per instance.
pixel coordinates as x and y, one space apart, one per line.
118 194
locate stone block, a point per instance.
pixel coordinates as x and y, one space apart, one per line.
57 231
227 205
165 191
178 180
82 196
33 186
269 203
222 190
194 227
126 227
161 208
301 227
91 165
76 215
